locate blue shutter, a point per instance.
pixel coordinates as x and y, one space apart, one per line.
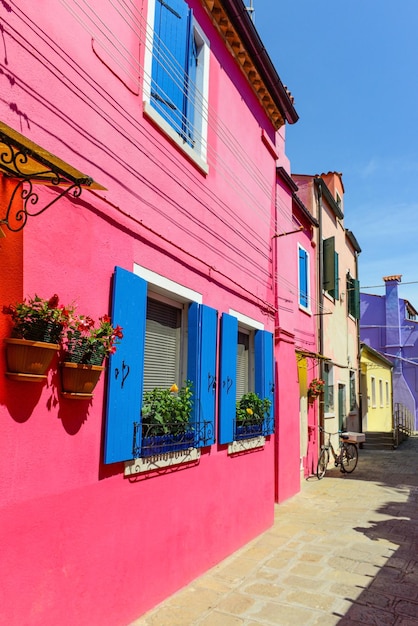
264 372
303 278
171 26
126 366
201 369
227 377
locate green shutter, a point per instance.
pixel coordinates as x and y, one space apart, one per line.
328 248
335 292
353 288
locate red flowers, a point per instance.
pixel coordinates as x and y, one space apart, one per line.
44 320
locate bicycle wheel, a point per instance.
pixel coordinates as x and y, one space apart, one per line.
349 457
321 468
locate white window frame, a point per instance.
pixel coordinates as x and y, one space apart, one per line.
197 153
381 392
373 391
248 325
161 288
181 339
387 393
306 308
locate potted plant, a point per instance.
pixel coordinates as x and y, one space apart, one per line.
316 387
37 329
166 419
251 411
86 345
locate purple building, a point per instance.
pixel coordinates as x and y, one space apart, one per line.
389 324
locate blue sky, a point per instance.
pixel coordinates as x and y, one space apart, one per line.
352 67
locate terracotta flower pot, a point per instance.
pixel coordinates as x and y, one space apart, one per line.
79 380
29 360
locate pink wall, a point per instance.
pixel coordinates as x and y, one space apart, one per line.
82 544
296 330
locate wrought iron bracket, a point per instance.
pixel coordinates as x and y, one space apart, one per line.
27 163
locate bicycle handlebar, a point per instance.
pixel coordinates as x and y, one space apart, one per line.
322 430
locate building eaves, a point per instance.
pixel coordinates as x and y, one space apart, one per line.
364 347
286 178
329 197
353 240
304 210
290 183
237 29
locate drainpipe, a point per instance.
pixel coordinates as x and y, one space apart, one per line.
320 300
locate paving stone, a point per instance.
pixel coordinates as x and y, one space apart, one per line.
410 609
311 600
342 552
236 603
282 615
217 618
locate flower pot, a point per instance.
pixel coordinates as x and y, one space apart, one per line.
28 360
79 380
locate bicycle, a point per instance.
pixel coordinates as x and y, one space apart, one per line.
347 456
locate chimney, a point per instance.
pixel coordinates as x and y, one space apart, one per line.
393 322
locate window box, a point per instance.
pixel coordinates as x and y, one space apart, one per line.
160 444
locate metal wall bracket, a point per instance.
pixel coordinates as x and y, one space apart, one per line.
29 164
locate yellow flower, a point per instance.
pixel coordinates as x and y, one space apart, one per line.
249 411
174 388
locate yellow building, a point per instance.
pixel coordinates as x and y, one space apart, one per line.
376 392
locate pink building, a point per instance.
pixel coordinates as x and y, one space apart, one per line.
296 338
156 130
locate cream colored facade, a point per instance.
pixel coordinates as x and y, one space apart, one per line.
376 391
337 307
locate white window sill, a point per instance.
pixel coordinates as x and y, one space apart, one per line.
246 444
159 461
153 115
305 310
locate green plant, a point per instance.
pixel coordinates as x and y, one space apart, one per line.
167 410
251 409
88 343
37 319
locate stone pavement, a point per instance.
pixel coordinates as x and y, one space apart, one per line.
343 551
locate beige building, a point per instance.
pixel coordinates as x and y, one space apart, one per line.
338 300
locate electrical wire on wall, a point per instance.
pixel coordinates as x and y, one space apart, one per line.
202 194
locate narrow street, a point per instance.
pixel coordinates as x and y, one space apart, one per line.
343 551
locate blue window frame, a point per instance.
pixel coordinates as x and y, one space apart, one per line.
174 66
263 379
126 369
303 278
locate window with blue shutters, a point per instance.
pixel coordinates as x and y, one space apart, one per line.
303 275
165 342
245 365
179 72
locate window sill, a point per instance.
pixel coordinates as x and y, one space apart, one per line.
159 121
246 444
161 461
305 310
